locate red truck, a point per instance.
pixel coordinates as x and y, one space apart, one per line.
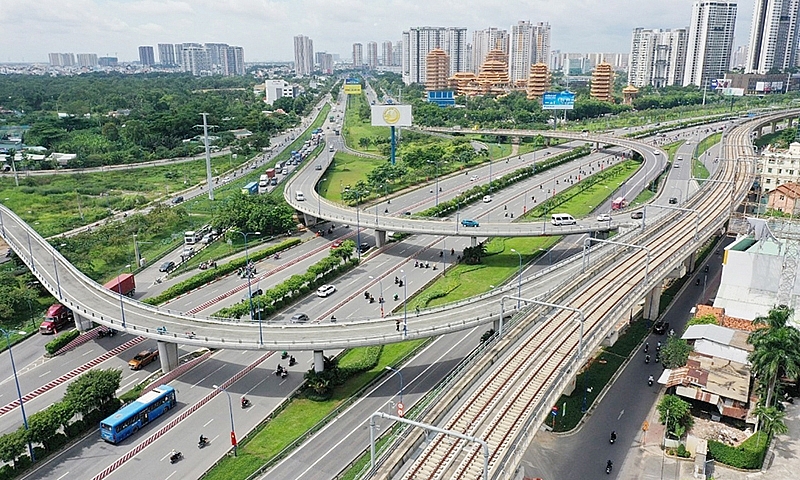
57 316
124 284
270 172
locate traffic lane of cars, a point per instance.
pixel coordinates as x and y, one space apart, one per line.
71 360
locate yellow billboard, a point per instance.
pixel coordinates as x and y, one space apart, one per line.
352 89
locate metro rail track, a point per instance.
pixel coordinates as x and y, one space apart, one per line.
524 380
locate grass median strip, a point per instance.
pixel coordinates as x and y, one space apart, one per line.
301 415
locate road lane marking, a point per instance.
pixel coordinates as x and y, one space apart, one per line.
208 422
62 476
87 353
621 414
45 373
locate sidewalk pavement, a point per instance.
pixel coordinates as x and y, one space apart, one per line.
647 461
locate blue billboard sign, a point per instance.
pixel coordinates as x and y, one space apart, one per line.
444 98
558 101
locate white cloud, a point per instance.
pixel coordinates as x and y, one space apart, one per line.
265 27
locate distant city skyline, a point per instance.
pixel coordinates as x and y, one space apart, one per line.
265 29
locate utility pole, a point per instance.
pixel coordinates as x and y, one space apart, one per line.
208 157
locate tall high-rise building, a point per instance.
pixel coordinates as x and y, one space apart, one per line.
195 59
146 55
397 53
87 59
739 57
62 59
541 43
387 53
372 55
233 61
773 36
520 51
484 41
358 55
657 57
166 54
303 55
708 50
419 41
325 61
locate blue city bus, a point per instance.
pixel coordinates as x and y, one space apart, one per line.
135 415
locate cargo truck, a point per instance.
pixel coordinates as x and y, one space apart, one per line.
124 284
250 189
57 317
263 183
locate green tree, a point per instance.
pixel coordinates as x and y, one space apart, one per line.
43 426
92 389
675 352
708 319
772 420
12 446
675 413
776 350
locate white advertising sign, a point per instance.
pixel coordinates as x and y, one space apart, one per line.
391 116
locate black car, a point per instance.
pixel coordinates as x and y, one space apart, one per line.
637 215
166 266
364 247
673 200
661 327
177 200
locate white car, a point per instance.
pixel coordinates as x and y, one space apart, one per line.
325 290
473 178
487 198
604 217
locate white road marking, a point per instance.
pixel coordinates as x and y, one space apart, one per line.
208 422
45 373
621 413
62 476
87 353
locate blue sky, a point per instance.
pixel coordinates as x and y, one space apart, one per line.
33 28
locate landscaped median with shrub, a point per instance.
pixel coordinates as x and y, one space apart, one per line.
91 396
336 263
749 455
55 344
210 275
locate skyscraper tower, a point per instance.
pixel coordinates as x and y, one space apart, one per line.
358 55
146 55
708 51
773 36
372 55
657 57
303 55
419 41
484 41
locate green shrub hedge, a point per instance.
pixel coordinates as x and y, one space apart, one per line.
749 455
57 343
212 274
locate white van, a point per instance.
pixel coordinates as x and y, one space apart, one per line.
562 219
298 195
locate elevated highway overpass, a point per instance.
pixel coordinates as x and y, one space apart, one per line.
315 207
93 303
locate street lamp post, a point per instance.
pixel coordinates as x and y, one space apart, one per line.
119 290
519 279
230 409
19 392
249 288
401 380
380 300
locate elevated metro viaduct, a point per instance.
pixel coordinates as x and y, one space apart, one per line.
92 303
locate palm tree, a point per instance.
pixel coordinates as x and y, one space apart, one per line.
772 420
776 350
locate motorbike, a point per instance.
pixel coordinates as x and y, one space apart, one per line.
203 442
650 381
609 466
284 373
245 403
279 370
106 332
284 355
613 437
646 347
177 456
292 361
647 359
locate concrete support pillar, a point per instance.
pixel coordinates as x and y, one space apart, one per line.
773 127
168 354
759 132
689 262
308 220
651 303
380 238
473 241
319 361
496 324
82 323
597 146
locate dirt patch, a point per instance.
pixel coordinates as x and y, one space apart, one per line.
720 432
